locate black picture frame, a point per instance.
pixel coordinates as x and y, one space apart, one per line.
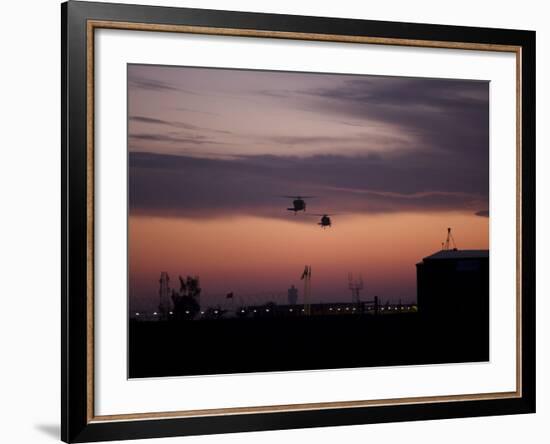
77 424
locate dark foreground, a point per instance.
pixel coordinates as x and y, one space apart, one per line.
320 342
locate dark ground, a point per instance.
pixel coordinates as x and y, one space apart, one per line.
219 346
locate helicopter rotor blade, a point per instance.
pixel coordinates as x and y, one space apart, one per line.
323 214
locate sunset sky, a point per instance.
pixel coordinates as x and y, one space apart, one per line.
211 152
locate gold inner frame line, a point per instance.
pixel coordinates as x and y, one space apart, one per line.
92 25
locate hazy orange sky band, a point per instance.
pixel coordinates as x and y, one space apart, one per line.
259 258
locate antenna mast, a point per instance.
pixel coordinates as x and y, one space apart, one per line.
355 287
450 238
164 292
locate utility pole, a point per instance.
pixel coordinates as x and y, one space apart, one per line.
306 277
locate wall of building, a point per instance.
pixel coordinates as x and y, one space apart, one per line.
453 287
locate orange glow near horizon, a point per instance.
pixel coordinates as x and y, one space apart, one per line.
257 257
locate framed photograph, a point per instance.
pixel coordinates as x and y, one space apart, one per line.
276 221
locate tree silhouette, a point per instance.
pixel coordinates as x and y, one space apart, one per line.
186 301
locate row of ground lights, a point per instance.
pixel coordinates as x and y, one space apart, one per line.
290 310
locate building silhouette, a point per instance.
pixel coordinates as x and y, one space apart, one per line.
292 295
454 284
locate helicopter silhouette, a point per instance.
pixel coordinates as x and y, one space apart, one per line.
325 219
298 203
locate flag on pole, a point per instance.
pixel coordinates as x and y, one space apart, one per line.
229 295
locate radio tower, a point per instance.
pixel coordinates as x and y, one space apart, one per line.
164 295
450 238
355 287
